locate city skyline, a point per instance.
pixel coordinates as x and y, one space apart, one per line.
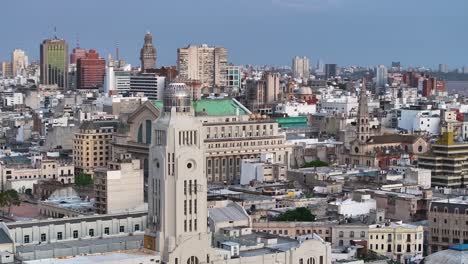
242 30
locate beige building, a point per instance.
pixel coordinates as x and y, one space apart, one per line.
92 145
7 69
344 234
21 176
121 176
177 229
300 68
448 223
19 62
261 94
230 135
203 63
396 240
295 229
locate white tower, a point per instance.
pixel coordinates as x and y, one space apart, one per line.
177 221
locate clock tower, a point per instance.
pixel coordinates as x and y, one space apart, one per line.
177 185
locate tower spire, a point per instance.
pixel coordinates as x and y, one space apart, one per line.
362 122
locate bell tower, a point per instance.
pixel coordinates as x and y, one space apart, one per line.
177 199
363 132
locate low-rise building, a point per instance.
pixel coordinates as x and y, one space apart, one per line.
296 229
350 208
262 170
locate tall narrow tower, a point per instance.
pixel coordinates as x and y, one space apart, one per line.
148 53
363 132
177 219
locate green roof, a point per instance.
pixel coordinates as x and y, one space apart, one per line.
213 107
292 122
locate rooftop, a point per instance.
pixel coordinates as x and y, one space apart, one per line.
214 107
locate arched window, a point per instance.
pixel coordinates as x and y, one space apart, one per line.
148 131
192 260
140 134
351 234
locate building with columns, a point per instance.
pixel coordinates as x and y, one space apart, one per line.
177 201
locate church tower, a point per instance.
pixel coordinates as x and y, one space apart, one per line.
148 53
177 198
363 132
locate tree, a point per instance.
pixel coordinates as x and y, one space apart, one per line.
9 198
83 180
300 214
315 163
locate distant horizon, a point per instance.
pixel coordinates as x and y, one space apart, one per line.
262 32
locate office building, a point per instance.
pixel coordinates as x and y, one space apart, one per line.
443 68
77 53
7 70
447 220
261 94
233 79
447 160
117 77
92 145
90 71
203 63
330 71
148 53
19 61
122 175
381 76
148 84
177 228
54 62
301 68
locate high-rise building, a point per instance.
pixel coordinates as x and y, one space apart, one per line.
117 79
330 71
320 67
19 62
148 54
300 68
443 68
54 62
77 53
233 78
7 69
203 63
90 71
261 94
149 84
381 76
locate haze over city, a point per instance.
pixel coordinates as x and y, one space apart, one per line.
364 32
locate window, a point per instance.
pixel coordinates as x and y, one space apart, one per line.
26 239
106 230
59 236
122 229
91 232
75 234
363 234
351 234
140 134
341 234
43 237
137 227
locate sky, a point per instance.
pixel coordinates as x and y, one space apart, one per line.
259 32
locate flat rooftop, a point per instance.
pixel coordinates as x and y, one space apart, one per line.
131 256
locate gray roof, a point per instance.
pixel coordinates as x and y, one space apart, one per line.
4 237
449 256
229 213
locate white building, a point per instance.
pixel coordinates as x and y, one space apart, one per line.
418 176
344 104
13 99
293 109
148 84
262 170
420 120
350 208
381 76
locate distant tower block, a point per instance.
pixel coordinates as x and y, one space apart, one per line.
148 53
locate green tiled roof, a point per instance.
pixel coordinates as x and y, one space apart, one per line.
292 122
213 107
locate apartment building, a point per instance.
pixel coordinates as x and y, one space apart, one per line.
122 175
92 145
344 234
396 240
448 223
295 229
21 174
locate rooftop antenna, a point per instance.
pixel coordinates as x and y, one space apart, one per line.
117 51
55 32
77 41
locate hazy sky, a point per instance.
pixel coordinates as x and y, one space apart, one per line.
366 32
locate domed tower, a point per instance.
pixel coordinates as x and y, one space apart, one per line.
178 96
148 53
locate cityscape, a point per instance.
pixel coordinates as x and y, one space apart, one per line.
126 157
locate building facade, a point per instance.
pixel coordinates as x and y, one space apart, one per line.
203 63
90 71
148 53
301 68
148 84
54 62
19 61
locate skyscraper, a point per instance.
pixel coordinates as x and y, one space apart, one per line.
7 69
203 63
90 71
148 54
19 61
381 76
77 54
443 68
300 68
330 70
54 62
